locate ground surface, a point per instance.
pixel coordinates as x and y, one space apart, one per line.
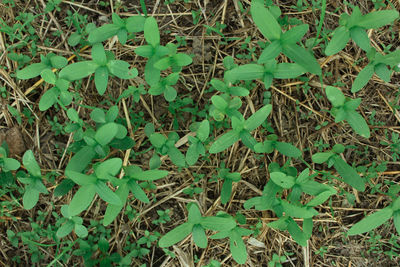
300 124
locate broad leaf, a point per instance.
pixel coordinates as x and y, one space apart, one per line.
199 236
288 71
257 118
340 38
349 175
361 38
335 96
31 71
103 33
30 198
112 211
371 221
77 71
175 235
106 133
101 79
106 194
288 150
224 142
265 21
376 19
358 124
151 32
82 199
30 164
302 57
362 78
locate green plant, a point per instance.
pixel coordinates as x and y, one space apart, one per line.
345 109
32 179
353 26
241 128
285 42
333 158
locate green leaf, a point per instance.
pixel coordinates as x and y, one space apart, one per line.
226 191
98 54
362 78
182 59
349 175
81 159
302 57
48 76
288 71
287 149
175 235
219 102
371 221
31 71
138 192
376 19
194 215
151 32
216 223
30 164
298 235
298 211
135 24
58 62
265 21
192 155
203 131
257 118
108 167
382 71
322 157
170 93
80 178
396 221
282 180
106 194
157 140
237 247
176 157
65 229
63 188
103 33
270 52
358 124
361 38
295 34
11 164
335 96
150 175
106 133
145 51
245 72
77 71
73 115
112 211
121 69
224 142
82 199
48 99
340 38
30 198
101 79
98 115
199 236
321 198
81 231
